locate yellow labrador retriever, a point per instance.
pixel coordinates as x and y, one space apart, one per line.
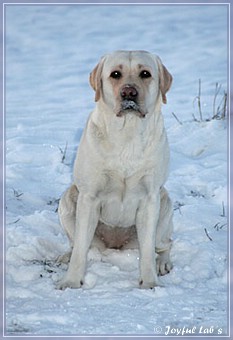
118 197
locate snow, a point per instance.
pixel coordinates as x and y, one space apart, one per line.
50 51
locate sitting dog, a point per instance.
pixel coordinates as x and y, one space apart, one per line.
118 198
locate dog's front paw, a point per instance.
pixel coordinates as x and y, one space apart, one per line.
147 285
149 282
66 283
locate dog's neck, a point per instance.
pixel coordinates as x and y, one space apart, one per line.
129 126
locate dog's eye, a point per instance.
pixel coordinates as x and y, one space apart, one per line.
144 74
116 75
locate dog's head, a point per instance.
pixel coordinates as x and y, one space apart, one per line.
130 82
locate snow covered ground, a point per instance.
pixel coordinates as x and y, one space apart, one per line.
50 51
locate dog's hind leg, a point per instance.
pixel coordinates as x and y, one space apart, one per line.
163 234
67 215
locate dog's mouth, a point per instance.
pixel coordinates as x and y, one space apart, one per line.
130 106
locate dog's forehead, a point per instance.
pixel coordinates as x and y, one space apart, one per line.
130 59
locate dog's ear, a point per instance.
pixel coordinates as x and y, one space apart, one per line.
165 80
95 79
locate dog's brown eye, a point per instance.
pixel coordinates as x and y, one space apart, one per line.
145 74
115 75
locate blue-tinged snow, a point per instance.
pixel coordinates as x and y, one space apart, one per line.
50 51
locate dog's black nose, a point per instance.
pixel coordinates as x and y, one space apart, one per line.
129 92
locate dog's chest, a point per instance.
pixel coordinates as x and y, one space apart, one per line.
120 198
128 161
128 153
124 181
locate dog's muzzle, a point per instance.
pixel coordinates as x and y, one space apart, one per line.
129 96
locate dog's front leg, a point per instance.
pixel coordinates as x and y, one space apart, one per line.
146 223
87 216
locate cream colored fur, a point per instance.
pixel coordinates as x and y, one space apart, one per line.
118 197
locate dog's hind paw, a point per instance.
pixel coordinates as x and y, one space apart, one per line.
163 264
65 258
